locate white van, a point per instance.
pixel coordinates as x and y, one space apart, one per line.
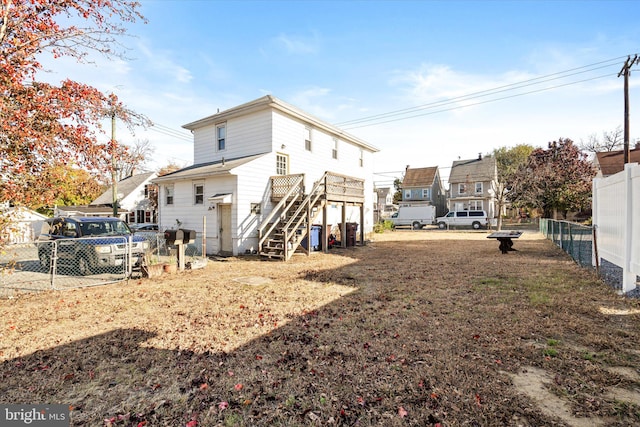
415 217
475 219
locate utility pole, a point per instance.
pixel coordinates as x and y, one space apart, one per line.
626 71
114 182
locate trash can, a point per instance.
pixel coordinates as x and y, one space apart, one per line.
352 228
314 238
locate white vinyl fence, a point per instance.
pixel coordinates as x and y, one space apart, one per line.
616 218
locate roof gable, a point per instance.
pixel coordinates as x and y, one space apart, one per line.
612 162
126 187
270 101
474 170
419 177
207 169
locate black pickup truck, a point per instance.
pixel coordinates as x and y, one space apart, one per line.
88 244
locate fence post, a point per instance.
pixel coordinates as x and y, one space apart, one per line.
595 220
628 278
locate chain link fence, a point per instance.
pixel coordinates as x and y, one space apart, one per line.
575 239
69 263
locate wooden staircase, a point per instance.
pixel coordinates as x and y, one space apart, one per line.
283 230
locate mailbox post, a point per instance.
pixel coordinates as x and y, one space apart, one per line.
180 238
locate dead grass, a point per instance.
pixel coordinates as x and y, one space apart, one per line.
416 328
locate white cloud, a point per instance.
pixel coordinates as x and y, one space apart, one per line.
161 62
297 44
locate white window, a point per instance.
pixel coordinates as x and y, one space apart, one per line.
307 138
334 152
478 187
282 164
198 193
361 158
462 188
407 195
426 193
221 137
475 205
168 191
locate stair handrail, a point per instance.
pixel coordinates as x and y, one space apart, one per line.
307 201
292 225
276 210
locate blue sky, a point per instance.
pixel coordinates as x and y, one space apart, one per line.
347 60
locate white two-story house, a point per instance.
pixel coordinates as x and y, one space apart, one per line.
263 172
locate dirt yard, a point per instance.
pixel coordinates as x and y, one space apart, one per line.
420 328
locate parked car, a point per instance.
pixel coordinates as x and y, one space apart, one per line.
87 244
475 219
415 217
143 227
388 211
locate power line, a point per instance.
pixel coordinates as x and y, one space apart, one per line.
477 103
379 118
170 132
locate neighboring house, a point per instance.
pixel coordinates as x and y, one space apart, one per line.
472 185
383 205
137 195
263 172
609 163
137 198
23 224
424 186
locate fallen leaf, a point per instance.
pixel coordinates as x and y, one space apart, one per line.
223 405
192 423
402 412
238 386
204 386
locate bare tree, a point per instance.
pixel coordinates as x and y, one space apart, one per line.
130 159
610 141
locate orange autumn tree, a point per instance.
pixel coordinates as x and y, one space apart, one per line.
42 125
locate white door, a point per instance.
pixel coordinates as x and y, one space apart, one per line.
224 214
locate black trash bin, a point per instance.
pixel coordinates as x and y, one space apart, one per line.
352 233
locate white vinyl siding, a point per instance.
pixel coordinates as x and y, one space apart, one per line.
272 133
243 136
